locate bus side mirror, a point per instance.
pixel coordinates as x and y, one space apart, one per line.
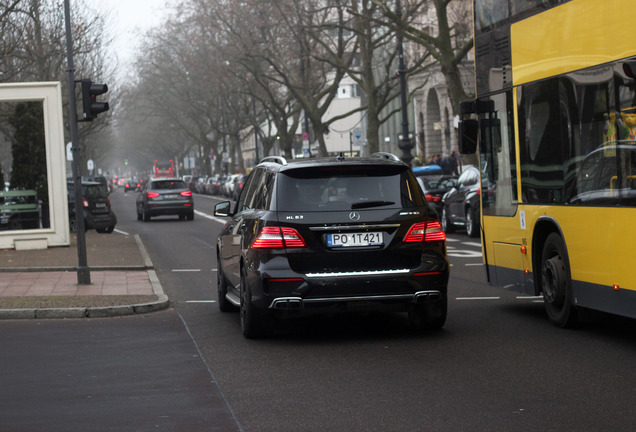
468 131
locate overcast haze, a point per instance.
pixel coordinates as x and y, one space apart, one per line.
129 19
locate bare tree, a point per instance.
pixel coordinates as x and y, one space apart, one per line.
448 42
33 48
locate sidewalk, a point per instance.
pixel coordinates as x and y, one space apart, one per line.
43 283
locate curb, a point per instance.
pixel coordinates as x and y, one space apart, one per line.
161 303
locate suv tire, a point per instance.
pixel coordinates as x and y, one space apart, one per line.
429 316
253 324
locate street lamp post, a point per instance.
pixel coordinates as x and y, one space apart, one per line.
405 143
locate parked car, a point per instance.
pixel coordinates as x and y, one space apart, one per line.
328 235
228 185
211 184
192 182
218 185
199 186
460 205
165 196
424 170
237 185
434 188
98 214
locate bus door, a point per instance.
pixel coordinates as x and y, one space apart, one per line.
504 231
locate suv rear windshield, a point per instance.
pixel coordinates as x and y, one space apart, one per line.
348 187
167 184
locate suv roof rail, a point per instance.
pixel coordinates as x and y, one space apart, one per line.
277 159
386 155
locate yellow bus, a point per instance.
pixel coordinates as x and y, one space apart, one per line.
554 126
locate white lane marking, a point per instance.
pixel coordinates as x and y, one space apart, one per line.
478 298
464 254
207 216
121 232
474 264
186 270
475 244
200 301
451 240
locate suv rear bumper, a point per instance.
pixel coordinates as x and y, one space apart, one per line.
291 304
100 220
283 292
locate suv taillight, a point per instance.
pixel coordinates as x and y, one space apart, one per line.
153 194
426 232
186 194
277 237
85 203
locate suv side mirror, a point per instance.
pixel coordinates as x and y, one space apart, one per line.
222 209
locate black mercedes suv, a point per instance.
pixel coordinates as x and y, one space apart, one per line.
329 235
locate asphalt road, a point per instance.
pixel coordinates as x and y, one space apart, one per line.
497 365
140 373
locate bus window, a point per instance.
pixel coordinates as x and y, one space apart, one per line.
602 171
498 180
541 142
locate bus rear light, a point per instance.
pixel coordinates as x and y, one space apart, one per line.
616 287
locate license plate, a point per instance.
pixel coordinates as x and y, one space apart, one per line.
100 205
355 239
171 196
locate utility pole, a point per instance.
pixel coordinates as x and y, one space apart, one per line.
83 272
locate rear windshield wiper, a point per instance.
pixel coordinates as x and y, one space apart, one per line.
366 204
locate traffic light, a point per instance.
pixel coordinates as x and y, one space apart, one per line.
90 91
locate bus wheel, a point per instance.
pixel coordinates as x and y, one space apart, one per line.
556 284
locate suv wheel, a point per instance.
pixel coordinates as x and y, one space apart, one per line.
429 316
253 324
